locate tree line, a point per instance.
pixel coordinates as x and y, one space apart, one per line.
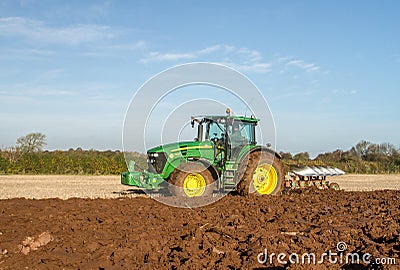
28 157
73 161
363 158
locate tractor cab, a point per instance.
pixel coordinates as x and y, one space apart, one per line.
230 134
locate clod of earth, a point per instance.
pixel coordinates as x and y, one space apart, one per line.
34 243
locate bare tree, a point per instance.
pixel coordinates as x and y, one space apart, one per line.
33 142
387 149
362 148
11 153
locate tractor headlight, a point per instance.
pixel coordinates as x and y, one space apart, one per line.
153 155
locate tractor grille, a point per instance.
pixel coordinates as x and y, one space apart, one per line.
156 162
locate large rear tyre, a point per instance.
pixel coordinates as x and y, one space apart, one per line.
261 173
191 179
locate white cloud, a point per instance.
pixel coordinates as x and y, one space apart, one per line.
255 67
209 50
284 58
221 48
71 35
252 55
140 44
159 57
242 59
303 65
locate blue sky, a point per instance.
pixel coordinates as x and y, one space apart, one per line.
330 71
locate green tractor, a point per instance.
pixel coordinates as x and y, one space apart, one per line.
223 157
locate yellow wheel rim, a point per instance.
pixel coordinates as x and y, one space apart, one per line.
265 179
194 185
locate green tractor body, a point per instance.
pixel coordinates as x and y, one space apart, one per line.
223 144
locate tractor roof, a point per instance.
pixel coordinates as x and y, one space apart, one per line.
235 117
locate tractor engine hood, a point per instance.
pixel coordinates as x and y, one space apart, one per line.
165 158
182 147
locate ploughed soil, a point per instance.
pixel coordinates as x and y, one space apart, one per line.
141 233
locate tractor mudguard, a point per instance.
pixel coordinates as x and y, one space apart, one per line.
258 148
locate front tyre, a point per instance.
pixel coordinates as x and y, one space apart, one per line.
191 179
262 173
